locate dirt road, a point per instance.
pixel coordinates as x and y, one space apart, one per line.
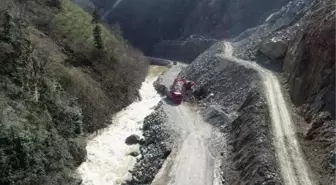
293 167
191 162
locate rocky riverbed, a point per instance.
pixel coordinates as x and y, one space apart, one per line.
154 149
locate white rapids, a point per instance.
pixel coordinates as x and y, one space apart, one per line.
293 167
108 161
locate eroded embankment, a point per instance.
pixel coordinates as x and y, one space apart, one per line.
155 149
159 138
250 154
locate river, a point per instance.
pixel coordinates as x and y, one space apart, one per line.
108 161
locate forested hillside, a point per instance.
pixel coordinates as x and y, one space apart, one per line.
63 74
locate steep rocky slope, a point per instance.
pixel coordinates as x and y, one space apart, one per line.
309 64
264 37
306 56
309 67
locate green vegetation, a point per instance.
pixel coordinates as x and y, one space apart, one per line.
56 86
97 31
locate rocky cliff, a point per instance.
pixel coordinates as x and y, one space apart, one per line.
309 67
299 40
309 64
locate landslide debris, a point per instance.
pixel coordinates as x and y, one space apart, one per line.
250 157
154 149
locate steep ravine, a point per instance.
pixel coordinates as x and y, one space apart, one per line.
266 141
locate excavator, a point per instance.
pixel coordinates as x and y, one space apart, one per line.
180 86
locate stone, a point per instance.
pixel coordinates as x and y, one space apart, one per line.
134 154
274 48
317 123
132 139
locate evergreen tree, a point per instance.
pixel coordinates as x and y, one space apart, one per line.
97 34
95 17
97 31
8 27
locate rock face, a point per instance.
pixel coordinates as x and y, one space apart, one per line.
274 48
157 20
309 67
132 139
310 61
280 25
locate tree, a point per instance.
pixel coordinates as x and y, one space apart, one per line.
8 27
95 17
97 34
20 64
97 31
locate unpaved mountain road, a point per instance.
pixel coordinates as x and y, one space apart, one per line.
294 169
191 162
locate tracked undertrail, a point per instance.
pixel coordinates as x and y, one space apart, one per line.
293 167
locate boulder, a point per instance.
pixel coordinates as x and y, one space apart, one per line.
134 154
132 139
274 48
215 115
317 123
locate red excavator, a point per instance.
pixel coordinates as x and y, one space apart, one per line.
177 89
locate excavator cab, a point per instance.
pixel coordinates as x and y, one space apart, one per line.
179 87
176 97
